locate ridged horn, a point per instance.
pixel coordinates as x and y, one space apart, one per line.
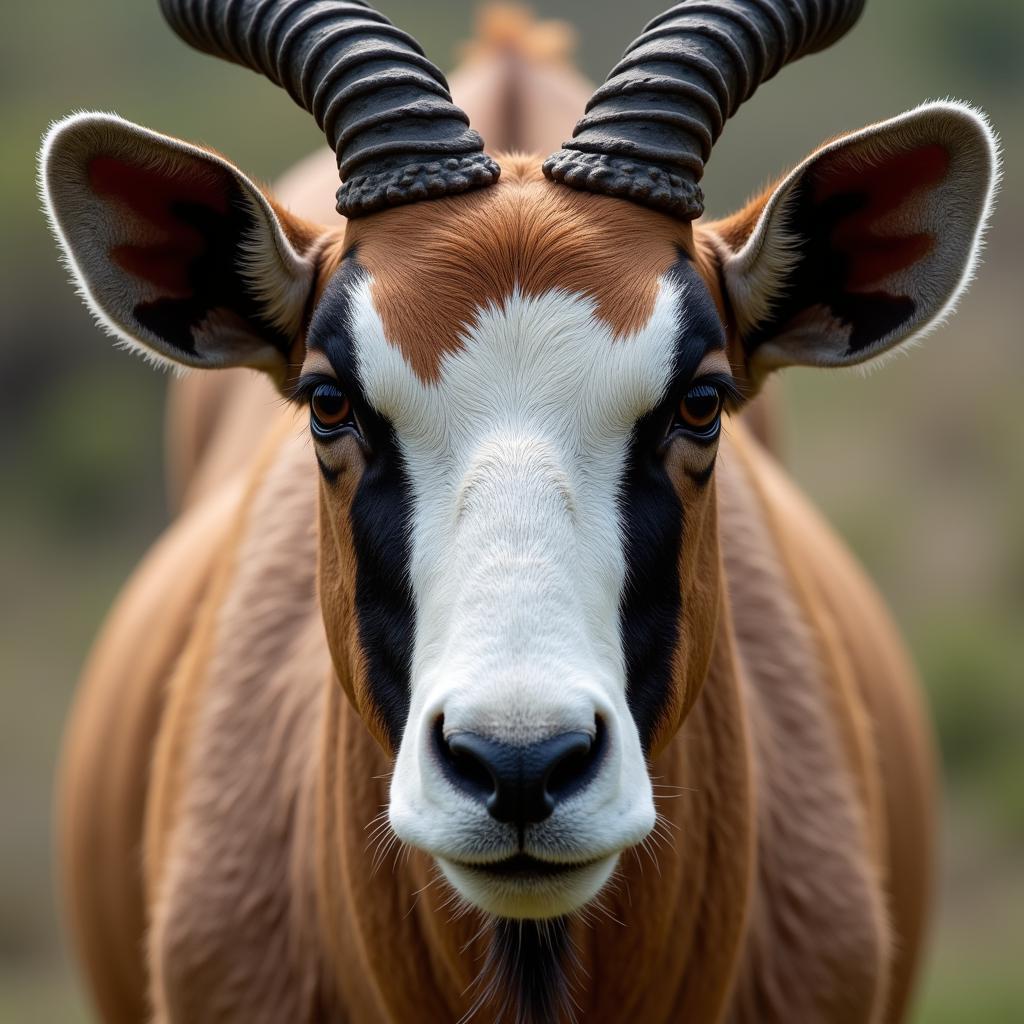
385 109
648 131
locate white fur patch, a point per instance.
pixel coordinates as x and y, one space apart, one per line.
515 458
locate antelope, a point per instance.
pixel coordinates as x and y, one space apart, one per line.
504 581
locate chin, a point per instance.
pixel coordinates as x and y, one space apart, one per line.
528 888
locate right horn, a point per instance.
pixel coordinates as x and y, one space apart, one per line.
648 131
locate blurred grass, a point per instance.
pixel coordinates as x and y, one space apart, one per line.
920 465
48 997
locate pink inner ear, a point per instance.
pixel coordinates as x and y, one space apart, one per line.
157 197
166 266
885 186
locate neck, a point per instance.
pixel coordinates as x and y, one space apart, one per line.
402 947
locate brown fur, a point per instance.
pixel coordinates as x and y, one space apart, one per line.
474 250
789 885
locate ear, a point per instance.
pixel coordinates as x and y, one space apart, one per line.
175 251
868 243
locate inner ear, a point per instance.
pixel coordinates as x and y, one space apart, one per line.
860 229
187 231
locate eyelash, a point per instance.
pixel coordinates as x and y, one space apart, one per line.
728 387
302 390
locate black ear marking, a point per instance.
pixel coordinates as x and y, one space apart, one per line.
822 274
877 231
215 284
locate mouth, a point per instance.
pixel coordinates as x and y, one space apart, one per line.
523 886
525 868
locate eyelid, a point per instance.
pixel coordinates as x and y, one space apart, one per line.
302 390
728 387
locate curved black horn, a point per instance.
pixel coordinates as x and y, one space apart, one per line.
648 131
385 109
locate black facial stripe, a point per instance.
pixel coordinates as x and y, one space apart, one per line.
379 519
820 276
652 520
384 604
649 607
699 326
215 282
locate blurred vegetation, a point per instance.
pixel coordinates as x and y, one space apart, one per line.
920 465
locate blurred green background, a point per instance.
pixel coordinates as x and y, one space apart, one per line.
920 466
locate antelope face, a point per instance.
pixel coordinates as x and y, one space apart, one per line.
518 467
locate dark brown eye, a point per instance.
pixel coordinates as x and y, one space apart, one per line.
330 409
700 408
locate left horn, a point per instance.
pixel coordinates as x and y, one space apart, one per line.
385 109
648 131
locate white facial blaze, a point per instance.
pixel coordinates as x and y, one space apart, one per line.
515 458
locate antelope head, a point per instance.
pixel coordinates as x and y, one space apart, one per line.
516 374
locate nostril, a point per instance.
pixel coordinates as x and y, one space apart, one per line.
520 784
464 765
575 766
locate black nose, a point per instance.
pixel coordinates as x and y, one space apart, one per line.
520 784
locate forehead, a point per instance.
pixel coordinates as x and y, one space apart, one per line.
434 266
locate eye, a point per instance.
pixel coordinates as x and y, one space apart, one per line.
700 408
330 409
